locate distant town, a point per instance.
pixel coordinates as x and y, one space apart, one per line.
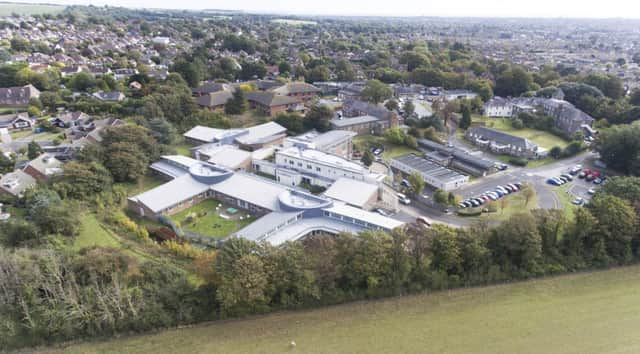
281 162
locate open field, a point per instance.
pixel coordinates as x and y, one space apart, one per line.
584 313
211 224
93 234
7 9
293 22
542 138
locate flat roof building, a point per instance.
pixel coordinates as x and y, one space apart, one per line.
287 214
336 142
433 174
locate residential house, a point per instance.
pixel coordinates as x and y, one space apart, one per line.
113 96
17 121
16 183
352 91
208 87
214 100
568 118
43 167
271 103
69 119
300 90
18 96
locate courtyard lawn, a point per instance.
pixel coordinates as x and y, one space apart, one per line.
366 142
93 234
596 312
542 138
212 224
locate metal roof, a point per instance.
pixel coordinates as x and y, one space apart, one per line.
352 192
428 168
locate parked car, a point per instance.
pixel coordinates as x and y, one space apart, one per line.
597 181
578 201
591 191
382 212
567 176
403 199
575 170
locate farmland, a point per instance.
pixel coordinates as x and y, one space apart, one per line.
8 9
585 313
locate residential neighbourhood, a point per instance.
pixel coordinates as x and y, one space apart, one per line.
161 168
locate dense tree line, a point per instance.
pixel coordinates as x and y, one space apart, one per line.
48 295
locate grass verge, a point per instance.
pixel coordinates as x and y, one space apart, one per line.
581 313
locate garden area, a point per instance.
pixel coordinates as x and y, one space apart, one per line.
542 138
212 218
363 143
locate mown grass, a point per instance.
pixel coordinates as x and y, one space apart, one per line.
92 233
542 138
211 224
582 313
515 203
8 9
365 142
566 198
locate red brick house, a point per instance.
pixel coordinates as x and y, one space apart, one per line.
271 103
300 90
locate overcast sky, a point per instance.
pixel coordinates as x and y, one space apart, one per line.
467 8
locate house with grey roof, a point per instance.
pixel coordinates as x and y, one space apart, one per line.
16 183
18 96
214 100
503 143
567 117
112 96
17 121
43 167
302 91
271 103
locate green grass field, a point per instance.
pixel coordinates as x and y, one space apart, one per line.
542 138
8 9
93 234
583 313
515 204
364 142
212 224
290 22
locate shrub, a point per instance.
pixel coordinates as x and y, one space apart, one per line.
518 161
470 212
517 124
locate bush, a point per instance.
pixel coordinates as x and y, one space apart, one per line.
470 212
517 124
518 161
